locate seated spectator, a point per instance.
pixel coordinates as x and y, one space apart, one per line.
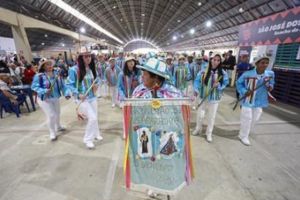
4 82
16 79
28 75
4 69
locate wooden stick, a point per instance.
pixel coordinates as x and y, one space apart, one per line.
245 96
209 92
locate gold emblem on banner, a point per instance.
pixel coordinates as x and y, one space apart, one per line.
155 104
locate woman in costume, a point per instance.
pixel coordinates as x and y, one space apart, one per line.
209 85
83 83
49 87
128 80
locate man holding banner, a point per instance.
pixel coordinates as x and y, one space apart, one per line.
157 155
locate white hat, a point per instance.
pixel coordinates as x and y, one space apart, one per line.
259 58
84 51
111 58
129 58
45 60
181 57
244 53
169 57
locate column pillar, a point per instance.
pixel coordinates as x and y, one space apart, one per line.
21 40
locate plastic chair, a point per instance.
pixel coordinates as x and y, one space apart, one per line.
8 106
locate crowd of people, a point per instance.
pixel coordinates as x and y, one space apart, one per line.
198 77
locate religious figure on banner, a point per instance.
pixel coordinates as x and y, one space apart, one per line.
144 141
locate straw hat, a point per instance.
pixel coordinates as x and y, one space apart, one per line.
155 66
181 57
44 61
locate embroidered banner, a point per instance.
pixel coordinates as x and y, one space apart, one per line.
158 154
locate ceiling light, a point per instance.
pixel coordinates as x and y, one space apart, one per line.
66 7
63 44
208 24
192 31
241 10
174 37
114 7
43 43
143 15
82 30
179 21
199 3
46 35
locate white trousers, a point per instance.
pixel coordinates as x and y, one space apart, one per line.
211 108
51 108
102 89
114 94
90 110
190 89
249 116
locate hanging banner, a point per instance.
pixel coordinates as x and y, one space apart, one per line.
157 154
280 28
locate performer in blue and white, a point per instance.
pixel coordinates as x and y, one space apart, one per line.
170 69
257 99
120 61
81 78
182 75
155 85
111 76
49 86
210 83
129 79
101 67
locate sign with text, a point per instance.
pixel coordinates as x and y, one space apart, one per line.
280 28
158 147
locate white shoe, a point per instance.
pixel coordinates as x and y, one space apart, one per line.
61 129
90 145
113 105
245 141
209 138
151 194
53 138
99 137
196 132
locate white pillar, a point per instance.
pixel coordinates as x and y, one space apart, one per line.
21 40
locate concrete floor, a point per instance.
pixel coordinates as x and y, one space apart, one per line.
33 168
